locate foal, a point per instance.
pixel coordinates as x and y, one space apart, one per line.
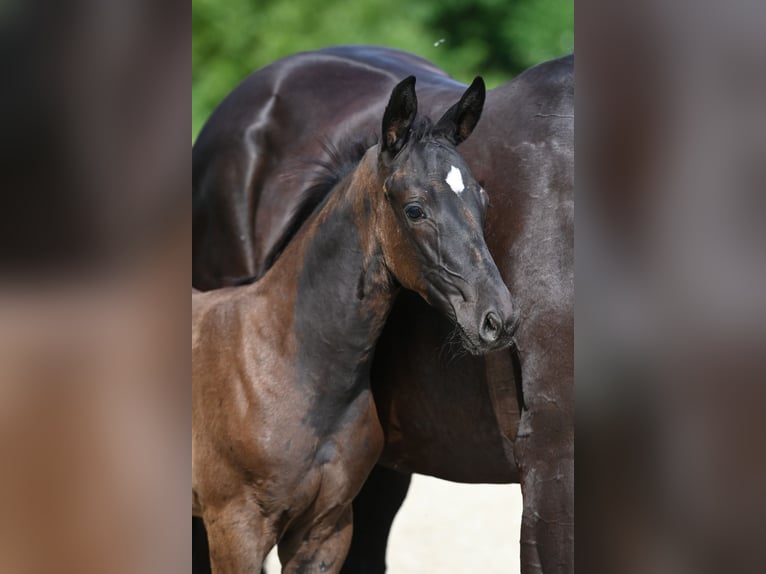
284 428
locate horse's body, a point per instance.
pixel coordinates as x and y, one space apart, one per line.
284 427
257 144
456 418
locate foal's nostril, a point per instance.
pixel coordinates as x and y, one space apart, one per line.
490 327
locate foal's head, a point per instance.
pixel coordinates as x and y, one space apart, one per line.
430 222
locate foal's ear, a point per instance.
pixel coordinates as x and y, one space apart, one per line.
399 116
458 122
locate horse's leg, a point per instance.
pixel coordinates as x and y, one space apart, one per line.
375 507
320 548
239 538
200 550
544 451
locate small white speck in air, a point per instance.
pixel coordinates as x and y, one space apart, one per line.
455 180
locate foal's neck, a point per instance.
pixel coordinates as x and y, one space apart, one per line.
343 291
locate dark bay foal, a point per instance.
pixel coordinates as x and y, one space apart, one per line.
284 428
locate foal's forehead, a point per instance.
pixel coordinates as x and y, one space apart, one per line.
443 165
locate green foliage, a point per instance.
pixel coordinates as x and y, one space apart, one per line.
500 38
494 38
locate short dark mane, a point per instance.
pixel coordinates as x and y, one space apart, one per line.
341 160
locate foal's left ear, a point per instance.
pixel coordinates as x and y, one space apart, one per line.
459 121
399 116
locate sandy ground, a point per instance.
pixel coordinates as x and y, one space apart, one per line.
453 529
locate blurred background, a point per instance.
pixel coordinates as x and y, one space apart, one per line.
671 281
493 38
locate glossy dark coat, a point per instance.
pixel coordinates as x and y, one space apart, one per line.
456 418
284 426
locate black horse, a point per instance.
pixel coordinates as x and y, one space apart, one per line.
458 418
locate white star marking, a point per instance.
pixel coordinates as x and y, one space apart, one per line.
455 180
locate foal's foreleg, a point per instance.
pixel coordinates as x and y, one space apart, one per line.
320 548
239 538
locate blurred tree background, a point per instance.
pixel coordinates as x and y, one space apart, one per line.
494 38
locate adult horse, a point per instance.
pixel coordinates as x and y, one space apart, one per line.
457 418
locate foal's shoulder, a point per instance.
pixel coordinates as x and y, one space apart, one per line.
225 309
213 310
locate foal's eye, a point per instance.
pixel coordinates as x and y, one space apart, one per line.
414 212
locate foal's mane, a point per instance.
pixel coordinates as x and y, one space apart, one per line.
341 160
326 174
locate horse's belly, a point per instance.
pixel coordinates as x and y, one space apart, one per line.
436 410
451 443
